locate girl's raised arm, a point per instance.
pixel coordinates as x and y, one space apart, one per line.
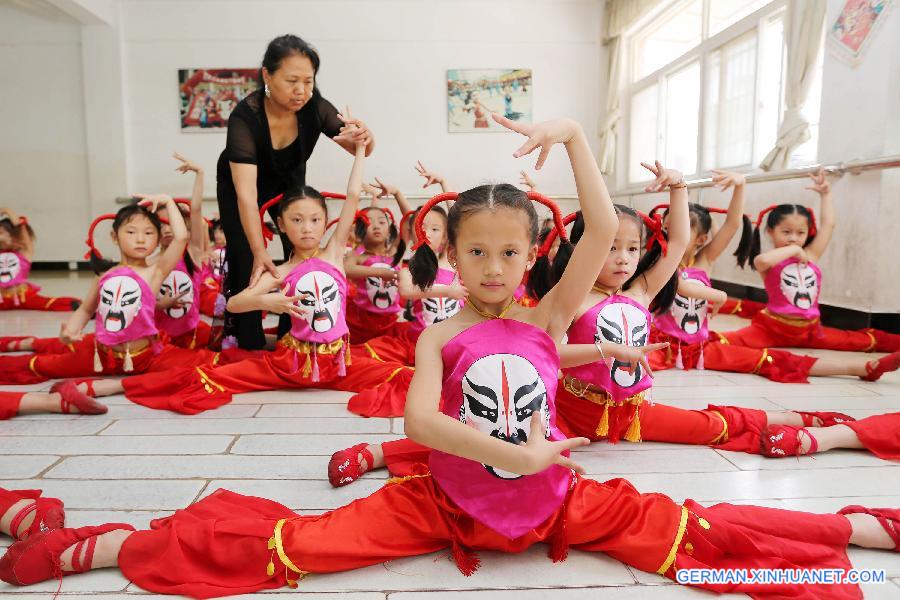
656 277
733 219
825 227
557 309
175 252
199 235
338 241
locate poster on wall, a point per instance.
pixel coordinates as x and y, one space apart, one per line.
855 28
207 96
473 94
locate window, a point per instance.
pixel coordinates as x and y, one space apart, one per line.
706 87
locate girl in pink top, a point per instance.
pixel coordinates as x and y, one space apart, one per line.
500 479
16 292
793 282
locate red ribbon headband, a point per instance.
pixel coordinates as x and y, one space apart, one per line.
768 209
555 232
92 249
655 227
268 232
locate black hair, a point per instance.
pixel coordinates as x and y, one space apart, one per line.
661 302
701 222
360 227
123 216
284 46
777 214
424 264
214 224
16 231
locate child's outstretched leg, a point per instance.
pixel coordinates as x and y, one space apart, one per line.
24 512
402 458
62 398
879 434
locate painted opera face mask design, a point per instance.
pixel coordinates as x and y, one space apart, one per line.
435 310
178 284
120 302
624 324
9 267
689 313
799 285
500 393
321 297
382 294
218 263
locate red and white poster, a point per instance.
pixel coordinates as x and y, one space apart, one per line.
208 96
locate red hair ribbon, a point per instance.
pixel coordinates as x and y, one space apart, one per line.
713 209
768 209
405 218
363 215
269 233
332 224
92 249
657 207
554 233
655 227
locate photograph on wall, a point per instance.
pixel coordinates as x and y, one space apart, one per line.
208 96
855 28
473 94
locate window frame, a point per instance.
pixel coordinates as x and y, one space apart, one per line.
754 21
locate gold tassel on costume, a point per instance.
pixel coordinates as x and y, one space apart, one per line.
127 364
307 366
98 366
270 568
347 359
603 426
633 434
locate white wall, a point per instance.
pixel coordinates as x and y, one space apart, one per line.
43 166
386 59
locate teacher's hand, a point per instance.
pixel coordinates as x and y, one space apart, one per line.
354 130
262 263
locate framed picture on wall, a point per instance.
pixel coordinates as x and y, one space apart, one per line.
207 96
473 94
854 29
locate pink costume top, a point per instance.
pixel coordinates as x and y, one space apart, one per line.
323 291
496 375
794 289
125 307
14 270
178 320
374 294
620 320
429 311
687 319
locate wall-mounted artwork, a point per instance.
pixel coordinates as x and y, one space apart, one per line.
207 96
855 28
473 94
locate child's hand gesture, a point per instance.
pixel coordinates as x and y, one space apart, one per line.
281 303
457 291
186 165
153 202
541 452
386 274
385 189
543 135
372 190
431 178
354 130
165 301
664 177
820 182
726 179
69 336
632 354
527 180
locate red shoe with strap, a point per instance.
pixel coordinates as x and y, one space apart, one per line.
889 518
71 396
778 441
345 466
48 515
13 343
885 364
827 419
37 558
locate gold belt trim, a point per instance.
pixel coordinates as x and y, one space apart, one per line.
304 347
590 393
722 437
792 321
120 354
278 542
764 358
17 290
670 558
372 352
208 383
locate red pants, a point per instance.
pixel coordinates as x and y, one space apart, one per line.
398 347
767 330
197 389
741 307
28 298
777 365
880 434
366 325
208 295
9 407
197 338
229 543
35 368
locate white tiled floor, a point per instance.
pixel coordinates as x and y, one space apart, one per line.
121 467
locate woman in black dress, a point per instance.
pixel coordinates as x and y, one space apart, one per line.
271 135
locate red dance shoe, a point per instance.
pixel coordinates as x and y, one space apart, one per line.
71 396
48 515
345 467
37 558
889 518
827 418
885 364
778 441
